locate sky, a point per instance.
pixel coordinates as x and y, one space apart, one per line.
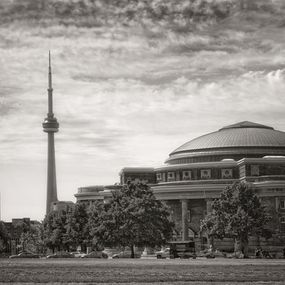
131 84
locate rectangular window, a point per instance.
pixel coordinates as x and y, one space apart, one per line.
282 204
170 176
189 216
282 220
254 170
205 173
186 175
158 177
227 173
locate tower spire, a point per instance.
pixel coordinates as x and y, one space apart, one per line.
50 90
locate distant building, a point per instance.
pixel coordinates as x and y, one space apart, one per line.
136 174
15 229
61 205
196 172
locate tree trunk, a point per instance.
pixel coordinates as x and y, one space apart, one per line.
241 246
237 245
132 251
211 241
258 241
245 247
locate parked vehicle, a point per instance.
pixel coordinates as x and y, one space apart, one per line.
126 254
260 253
96 254
61 255
182 249
78 254
110 252
25 254
163 253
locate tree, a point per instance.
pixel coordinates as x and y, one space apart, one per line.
4 236
133 217
55 232
238 213
77 231
32 238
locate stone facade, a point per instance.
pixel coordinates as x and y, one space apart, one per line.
198 171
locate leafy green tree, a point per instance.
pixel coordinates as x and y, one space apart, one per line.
32 238
132 217
77 231
55 232
238 213
4 236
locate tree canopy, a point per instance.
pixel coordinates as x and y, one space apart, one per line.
77 230
132 217
55 232
3 231
32 238
4 236
237 213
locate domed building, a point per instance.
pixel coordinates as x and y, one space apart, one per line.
195 173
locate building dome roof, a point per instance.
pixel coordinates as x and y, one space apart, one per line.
245 138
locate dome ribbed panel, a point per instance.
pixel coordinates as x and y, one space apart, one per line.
235 137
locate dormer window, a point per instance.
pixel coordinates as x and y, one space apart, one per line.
186 175
227 173
206 174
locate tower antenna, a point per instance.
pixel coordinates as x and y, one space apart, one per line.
50 90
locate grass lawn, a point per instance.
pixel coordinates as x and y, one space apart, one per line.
143 271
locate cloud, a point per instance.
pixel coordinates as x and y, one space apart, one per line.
129 95
103 97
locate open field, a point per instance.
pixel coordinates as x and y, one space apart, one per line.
143 271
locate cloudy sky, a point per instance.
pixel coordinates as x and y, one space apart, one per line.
129 87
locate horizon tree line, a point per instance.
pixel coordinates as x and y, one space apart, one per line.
134 217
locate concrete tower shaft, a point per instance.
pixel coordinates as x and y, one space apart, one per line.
50 126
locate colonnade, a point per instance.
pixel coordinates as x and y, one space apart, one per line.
185 218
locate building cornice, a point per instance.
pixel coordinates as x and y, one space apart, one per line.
210 164
262 160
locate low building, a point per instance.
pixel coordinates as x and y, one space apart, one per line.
61 205
195 173
15 229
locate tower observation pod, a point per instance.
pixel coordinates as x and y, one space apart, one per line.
50 126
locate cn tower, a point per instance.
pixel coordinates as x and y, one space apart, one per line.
50 126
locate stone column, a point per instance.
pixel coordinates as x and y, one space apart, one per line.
178 178
184 220
277 203
209 205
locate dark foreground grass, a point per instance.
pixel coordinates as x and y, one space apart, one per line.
225 271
